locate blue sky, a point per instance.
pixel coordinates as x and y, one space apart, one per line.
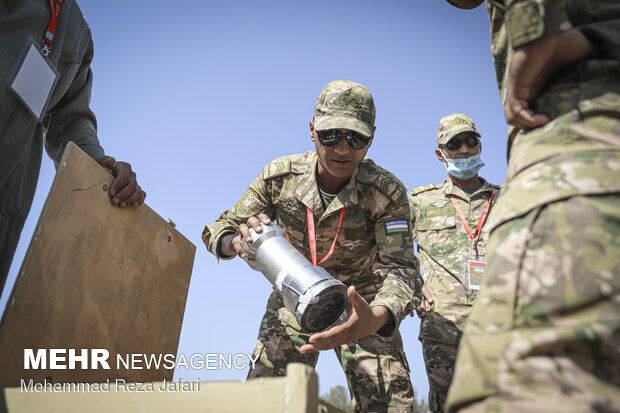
199 95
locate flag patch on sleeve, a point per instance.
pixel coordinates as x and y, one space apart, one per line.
397 226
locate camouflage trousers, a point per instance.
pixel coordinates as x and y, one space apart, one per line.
544 334
375 367
439 359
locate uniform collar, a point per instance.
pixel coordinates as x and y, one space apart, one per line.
450 189
308 191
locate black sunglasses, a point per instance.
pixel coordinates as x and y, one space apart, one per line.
331 137
455 143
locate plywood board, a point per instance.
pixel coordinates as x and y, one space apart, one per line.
96 276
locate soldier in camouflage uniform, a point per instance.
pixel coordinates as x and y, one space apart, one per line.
446 247
544 334
373 249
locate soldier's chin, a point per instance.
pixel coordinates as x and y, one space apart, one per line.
342 169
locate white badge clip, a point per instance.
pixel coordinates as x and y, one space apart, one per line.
33 80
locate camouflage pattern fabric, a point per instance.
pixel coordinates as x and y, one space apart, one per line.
375 367
380 264
373 256
557 351
452 125
545 332
439 359
443 244
344 104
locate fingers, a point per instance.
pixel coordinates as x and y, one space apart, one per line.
354 297
140 200
124 175
255 222
427 302
308 348
107 162
362 321
427 294
237 244
326 335
264 219
244 231
519 114
329 339
421 310
124 190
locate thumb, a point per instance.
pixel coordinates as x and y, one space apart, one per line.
107 162
427 294
354 297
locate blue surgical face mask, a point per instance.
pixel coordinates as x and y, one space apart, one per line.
463 168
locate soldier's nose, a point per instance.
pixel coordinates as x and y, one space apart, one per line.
342 147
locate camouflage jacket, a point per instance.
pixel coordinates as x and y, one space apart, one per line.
369 253
443 243
547 167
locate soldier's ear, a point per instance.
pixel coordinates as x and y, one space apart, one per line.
440 156
312 130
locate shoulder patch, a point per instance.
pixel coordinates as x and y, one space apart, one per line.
423 188
386 182
389 185
276 168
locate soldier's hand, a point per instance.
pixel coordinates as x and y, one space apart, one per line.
244 232
125 190
363 321
427 302
531 68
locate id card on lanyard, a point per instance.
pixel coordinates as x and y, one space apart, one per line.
474 268
34 76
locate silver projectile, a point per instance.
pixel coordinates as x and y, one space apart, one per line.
315 298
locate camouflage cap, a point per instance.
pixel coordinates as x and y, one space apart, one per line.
452 125
344 104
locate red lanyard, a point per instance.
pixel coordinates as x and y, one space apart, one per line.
312 236
464 221
55 7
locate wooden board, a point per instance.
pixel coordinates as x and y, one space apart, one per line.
95 276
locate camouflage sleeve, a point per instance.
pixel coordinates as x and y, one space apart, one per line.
413 206
256 200
528 20
400 292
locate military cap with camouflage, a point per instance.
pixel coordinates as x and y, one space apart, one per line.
452 125
344 104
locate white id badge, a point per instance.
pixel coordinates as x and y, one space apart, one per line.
475 271
33 79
